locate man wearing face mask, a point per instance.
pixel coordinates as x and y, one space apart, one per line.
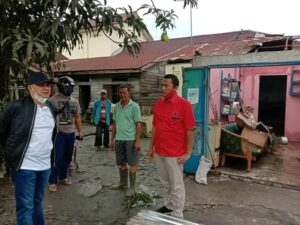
67 122
26 129
171 143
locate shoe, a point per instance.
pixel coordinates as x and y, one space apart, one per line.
164 209
65 181
52 187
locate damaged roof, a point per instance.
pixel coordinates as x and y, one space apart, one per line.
223 48
176 49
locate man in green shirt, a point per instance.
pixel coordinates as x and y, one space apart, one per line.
125 138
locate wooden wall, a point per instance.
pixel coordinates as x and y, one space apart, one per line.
145 86
151 78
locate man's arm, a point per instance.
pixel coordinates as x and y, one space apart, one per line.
189 146
78 125
151 145
138 128
113 136
190 141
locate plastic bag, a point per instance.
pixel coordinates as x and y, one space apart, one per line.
203 168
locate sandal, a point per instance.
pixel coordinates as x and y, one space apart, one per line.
65 181
52 187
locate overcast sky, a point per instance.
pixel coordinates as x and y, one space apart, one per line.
217 16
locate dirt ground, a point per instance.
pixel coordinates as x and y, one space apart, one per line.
90 200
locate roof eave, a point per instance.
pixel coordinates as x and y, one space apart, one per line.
96 72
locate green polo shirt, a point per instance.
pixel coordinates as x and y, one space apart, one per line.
125 119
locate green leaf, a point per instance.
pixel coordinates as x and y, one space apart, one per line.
5 40
39 49
29 49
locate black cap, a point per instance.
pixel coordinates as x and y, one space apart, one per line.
39 78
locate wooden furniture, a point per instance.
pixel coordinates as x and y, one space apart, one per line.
233 145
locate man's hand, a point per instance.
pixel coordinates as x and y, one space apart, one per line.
151 145
183 158
150 153
137 146
112 145
79 136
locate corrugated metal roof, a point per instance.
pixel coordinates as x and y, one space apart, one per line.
158 51
61 57
217 48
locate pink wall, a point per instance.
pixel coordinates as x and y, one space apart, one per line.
215 86
249 79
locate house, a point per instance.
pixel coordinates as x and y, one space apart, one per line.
271 91
144 73
145 70
269 84
99 45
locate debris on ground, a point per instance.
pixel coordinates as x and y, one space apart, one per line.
140 199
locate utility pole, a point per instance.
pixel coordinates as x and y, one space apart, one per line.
191 21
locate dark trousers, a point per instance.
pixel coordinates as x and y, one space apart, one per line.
63 152
102 128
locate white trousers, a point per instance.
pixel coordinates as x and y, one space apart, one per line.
171 176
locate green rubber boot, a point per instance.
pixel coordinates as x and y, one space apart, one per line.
123 183
131 190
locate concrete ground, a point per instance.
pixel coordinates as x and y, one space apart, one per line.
279 167
269 194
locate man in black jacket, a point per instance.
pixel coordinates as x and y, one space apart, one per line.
26 129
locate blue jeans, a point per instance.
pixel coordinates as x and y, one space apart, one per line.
63 152
29 193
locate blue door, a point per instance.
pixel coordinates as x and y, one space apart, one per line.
194 89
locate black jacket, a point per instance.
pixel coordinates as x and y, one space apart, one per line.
16 124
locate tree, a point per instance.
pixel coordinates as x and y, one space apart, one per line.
34 31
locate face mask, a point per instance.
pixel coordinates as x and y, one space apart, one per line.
39 98
68 90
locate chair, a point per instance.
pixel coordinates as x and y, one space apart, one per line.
234 145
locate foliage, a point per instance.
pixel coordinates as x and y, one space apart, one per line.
141 199
33 31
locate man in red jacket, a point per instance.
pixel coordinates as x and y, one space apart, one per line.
172 142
